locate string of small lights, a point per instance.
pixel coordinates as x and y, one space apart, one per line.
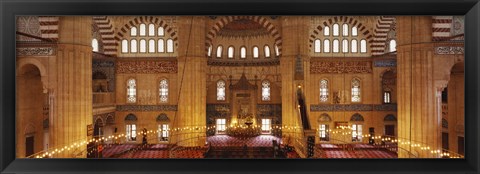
340 130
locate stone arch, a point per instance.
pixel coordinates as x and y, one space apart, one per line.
29 129
444 123
110 119
383 26
221 22
390 117
356 117
99 120
106 33
350 20
49 27
324 118
131 117
43 71
144 19
163 118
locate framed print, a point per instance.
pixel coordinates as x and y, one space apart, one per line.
254 87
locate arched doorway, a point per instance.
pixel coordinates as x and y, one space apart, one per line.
98 128
30 112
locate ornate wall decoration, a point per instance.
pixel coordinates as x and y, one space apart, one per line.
320 67
107 67
103 63
29 25
268 62
442 50
390 117
269 110
385 63
105 117
146 67
218 109
36 51
385 107
146 107
353 107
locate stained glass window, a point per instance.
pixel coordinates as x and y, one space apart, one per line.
355 90
131 91
221 90
265 90
323 90
163 90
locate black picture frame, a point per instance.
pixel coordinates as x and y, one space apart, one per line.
9 9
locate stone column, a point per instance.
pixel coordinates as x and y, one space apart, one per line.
294 32
73 85
192 65
417 101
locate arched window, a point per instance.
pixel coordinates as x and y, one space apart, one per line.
95 45
131 127
354 46
266 90
357 126
169 46
317 45
142 30
133 46
151 30
151 46
124 46
131 91
277 51
323 90
386 97
221 90
335 30
161 46
356 90
363 46
160 32
209 53
393 45
354 31
231 50
356 132
255 52
143 46
345 46
345 30
219 51
326 31
243 52
133 31
267 51
336 46
326 46
163 90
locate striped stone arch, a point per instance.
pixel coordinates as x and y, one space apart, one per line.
106 33
350 20
383 26
441 26
221 22
147 20
49 27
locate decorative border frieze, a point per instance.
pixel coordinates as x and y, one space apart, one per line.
335 67
449 50
385 63
103 64
36 51
146 67
353 107
272 62
146 108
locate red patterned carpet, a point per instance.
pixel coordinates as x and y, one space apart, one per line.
352 151
258 141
